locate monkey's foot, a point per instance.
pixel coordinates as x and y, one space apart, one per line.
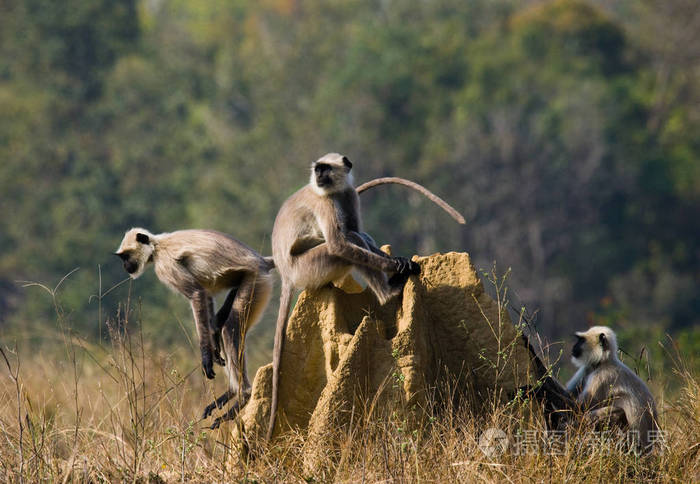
405 266
209 409
218 403
230 415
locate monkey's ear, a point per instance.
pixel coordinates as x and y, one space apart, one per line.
142 238
603 341
347 162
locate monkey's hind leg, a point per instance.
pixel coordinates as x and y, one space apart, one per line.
235 367
606 417
246 306
377 280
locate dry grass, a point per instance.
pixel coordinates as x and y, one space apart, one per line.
134 419
128 411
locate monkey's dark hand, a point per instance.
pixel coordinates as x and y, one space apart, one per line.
405 266
208 363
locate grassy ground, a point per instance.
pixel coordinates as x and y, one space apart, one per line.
76 411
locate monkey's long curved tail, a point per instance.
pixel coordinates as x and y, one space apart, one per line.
419 188
280 330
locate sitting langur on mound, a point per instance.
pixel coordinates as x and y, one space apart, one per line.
607 390
199 264
317 238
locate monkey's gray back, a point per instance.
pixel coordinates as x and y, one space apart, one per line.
212 259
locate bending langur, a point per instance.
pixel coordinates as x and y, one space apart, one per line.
317 239
199 264
607 390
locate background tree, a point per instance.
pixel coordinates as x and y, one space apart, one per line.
565 130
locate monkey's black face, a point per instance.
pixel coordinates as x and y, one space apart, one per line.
577 350
324 175
130 265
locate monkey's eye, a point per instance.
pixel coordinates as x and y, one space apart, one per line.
321 168
124 255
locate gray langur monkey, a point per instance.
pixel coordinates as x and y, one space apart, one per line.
199 264
317 238
606 389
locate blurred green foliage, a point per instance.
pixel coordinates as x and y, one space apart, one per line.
566 131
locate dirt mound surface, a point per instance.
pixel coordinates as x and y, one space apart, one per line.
343 349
